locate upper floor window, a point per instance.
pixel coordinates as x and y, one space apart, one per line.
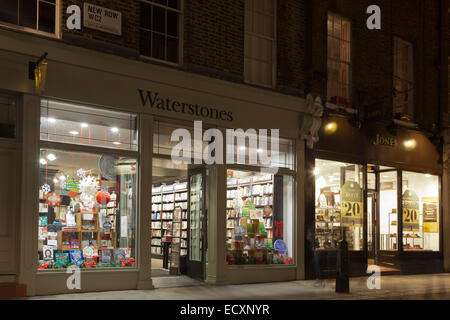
31 15
403 80
339 60
260 42
160 29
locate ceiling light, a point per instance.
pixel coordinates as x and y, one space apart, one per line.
428 175
62 178
51 120
242 148
51 157
116 142
43 161
55 180
73 132
115 129
84 125
316 171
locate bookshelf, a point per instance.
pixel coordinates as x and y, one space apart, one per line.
164 200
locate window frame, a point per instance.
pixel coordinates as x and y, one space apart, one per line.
274 47
86 149
294 218
58 17
395 77
339 61
180 34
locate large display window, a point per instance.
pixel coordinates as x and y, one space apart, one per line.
339 202
420 212
87 198
260 210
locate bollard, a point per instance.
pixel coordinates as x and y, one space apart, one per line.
342 274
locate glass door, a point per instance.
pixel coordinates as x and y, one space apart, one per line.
197 223
371 228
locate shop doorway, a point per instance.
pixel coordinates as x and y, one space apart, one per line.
179 208
382 218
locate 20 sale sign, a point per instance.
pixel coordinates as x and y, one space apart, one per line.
351 204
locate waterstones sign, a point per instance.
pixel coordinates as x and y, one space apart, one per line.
153 100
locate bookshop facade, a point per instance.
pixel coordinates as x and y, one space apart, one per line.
99 190
380 188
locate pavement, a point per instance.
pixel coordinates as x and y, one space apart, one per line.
410 287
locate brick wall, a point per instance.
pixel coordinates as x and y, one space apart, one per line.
291 46
416 21
130 23
213 38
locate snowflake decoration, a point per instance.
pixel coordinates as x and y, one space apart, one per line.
63 184
89 186
46 188
81 173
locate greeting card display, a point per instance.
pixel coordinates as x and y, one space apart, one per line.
43 221
48 253
76 256
105 256
62 258
90 252
119 255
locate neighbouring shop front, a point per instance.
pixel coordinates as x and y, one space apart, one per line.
379 188
100 191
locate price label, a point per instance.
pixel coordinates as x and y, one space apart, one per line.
411 210
352 209
351 204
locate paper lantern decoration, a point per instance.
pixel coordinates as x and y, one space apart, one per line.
54 199
103 197
72 185
46 188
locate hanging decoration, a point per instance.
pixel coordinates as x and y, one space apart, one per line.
103 197
72 185
54 199
73 194
88 188
46 188
81 173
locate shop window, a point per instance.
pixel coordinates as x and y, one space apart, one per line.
339 60
87 210
259 224
256 150
339 205
164 139
388 220
160 29
75 124
35 15
403 80
420 212
260 42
